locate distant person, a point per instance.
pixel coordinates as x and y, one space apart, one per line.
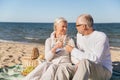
58 64
92 52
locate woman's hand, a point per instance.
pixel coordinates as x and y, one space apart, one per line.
59 44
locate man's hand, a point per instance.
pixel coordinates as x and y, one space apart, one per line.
68 48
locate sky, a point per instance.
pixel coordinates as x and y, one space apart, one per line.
103 11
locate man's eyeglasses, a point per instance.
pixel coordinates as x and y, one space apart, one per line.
79 25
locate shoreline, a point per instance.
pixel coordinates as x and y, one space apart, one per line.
12 52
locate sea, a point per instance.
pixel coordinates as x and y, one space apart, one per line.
39 32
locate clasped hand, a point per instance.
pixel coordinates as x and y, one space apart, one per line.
59 44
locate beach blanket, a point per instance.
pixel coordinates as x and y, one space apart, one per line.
116 71
11 73
14 73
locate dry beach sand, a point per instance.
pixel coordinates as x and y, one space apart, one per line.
12 52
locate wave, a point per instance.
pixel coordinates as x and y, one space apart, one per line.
115 48
31 38
6 40
10 41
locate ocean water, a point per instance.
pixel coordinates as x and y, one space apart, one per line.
38 32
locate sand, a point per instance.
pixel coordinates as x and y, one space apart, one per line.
12 52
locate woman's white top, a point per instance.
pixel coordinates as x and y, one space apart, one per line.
60 56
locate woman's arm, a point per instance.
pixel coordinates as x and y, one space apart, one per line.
49 54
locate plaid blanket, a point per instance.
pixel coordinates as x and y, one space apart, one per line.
11 73
14 73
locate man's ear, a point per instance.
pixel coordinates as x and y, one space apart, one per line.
85 27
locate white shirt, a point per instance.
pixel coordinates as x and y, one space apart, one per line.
94 47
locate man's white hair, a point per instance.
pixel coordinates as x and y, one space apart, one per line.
86 19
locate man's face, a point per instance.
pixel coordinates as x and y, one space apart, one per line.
80 27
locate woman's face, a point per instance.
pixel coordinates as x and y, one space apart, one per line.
61 28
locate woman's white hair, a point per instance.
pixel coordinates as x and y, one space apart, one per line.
58 20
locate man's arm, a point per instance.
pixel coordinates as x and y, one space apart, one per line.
97 52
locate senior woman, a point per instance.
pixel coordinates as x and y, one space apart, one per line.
58 64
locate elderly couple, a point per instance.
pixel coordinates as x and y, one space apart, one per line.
90 60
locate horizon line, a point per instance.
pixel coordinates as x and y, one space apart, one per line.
49 22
